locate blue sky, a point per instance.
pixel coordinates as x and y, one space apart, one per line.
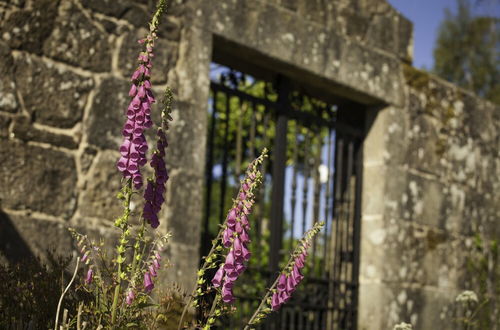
426 16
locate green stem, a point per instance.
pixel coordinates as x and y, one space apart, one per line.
202 270
308 236
137 246
120 250
210 318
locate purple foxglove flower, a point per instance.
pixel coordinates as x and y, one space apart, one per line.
141 92
156 263
122 164
133 90
130 297
226 237
275 302
244 221
238 227
244 237
157 255
231 218
231 276
135 75
227 295
245 187
137 180
238 252
217 280
300 261
125 147
132 166
229 263
246 253
152 271
284 297
296 273
281 283
148 283
290 285
90 276
85 257
240 268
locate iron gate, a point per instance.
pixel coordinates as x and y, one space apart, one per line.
313 173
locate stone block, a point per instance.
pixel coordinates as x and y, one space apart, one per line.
422 201
76 40
109 7
23 236
374 185
381 33
368 71
187 138
292 5
106 117
382 306
27 29
53 96
137 16
24 130
426 146
185 262
8 97
4 126
102 183
184 189
405 39
37 178
19 3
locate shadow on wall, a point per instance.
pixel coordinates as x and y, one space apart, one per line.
13 248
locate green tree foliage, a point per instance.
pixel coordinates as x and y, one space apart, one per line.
467 51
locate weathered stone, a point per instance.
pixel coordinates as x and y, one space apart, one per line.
426 146
405 39
53 96
28 29
170 29
50 185
78 41
106 116
23 236
363 69
87 157
24 130
290 4
4 126
384 305
381 33
109 7
186 133
166 54
185 241
103 182
8 98
19 3
137 16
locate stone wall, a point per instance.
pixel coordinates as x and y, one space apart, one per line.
431 163
431 178
64 72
